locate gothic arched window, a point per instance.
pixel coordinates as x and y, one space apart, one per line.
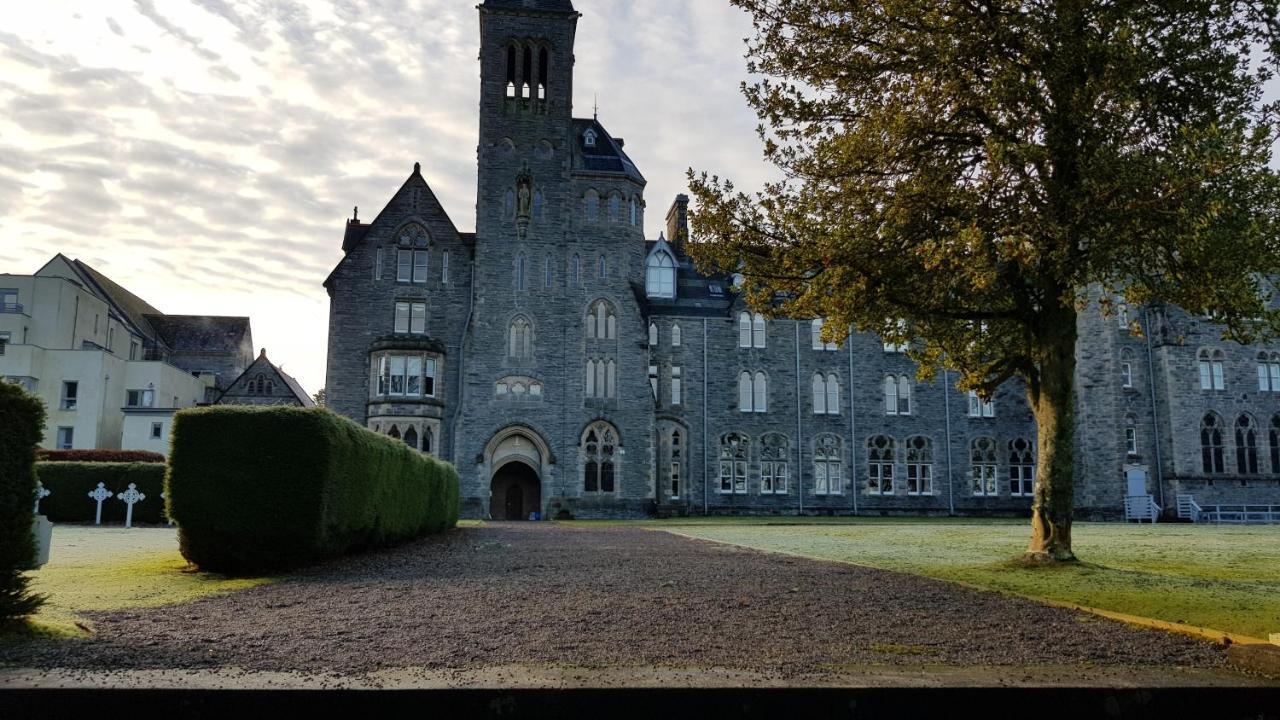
520 272
660 276
815 332
982 476
526 77
520 339
675 335
1022 467
826 394
1246 446
511 71
1275 444
591 205
653 334
1126 368
542 73
919 465
1211 374
411 438
602 321
880 465
1211 457
775 451
539 203
827 465
599 450
734 453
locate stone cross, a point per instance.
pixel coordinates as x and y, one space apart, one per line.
42 492
100 494
130 497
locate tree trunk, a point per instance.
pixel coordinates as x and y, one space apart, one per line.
1053 403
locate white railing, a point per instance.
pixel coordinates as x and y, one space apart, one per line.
1188 508
1140 508
1239 514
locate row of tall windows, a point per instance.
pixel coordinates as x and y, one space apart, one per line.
1213 451
774 464
881 460
613 204
525 79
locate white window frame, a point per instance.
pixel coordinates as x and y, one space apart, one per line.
65 437
404 265
980 409
815 331
68 401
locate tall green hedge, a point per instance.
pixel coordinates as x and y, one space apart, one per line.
69 485
256 489
21 425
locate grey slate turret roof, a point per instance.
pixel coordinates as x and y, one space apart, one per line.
606 157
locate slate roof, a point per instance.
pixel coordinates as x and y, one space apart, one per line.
200 333
131 308
607 156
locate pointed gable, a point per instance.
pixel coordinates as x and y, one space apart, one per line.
263 383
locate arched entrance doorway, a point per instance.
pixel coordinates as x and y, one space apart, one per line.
516 492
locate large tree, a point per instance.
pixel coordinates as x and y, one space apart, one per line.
961 174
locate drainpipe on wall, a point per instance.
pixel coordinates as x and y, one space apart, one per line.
799 436
853 430
1155 415
706 481
946 405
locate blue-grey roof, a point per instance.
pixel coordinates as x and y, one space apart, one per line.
606 157
696 294
559 6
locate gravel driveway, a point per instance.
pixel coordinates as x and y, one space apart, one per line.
540 593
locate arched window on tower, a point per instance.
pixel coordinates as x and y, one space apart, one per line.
591 205
1211 458
411 438
520 340
615 207
539 204
599 450
526 78
511 71
602 321
542 73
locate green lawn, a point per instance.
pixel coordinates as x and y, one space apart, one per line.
99 568
1225 578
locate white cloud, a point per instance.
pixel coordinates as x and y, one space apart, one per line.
204 153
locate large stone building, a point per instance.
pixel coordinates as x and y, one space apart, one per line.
567 364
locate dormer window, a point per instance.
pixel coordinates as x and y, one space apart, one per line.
589 138
660 276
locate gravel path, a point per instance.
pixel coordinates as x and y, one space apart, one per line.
522 593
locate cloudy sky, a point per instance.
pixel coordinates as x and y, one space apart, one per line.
205 153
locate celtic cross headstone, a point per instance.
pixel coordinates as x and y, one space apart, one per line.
131 497
99 494
42 492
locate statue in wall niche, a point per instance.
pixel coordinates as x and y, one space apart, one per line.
524 200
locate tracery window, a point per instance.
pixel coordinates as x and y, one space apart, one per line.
1022 467
599 449
828 465
1211 455
775 450
919 465
1246 446
734 454
880 459
982 475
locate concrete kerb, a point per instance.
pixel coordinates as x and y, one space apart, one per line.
1221 637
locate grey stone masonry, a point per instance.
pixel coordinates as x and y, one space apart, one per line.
566 363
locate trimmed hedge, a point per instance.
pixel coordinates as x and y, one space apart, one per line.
69 485
262 488
21 425
117 456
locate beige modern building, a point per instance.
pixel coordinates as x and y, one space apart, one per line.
110 368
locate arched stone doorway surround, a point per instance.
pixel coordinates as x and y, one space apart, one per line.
515 461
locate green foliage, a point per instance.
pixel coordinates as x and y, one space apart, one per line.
69 485
961 175
21 425
256 489
99 455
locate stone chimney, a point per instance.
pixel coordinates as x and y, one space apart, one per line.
678 222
